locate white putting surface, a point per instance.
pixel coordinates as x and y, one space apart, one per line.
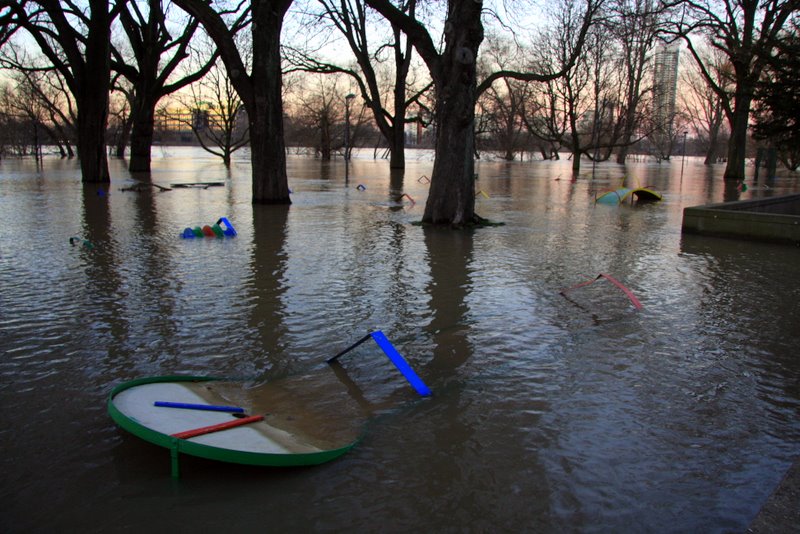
137 403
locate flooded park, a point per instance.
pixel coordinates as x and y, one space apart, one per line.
550 411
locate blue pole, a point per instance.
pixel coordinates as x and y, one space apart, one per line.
401 364
206 407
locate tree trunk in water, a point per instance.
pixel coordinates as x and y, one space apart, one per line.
91 145
143 116
92 97
627 135
265 109
452 194
737 144
397 143
124 138
325 138
576 162
711 153
268 157
622 153
397 158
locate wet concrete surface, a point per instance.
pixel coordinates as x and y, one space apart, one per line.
781 512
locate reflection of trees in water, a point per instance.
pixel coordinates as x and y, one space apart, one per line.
268 269
449 257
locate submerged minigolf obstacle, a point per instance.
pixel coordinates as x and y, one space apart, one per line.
617 283
222 228
394 356
185 415
188 416
619 196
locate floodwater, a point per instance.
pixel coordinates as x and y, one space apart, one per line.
548 413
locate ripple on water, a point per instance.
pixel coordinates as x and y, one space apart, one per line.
549 413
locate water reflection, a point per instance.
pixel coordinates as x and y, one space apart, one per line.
449 257
545 416
267 288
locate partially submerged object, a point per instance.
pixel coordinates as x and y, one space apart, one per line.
228 421
222 228
198 185
144 186
85 242
618 196
628 292
395 357
186 414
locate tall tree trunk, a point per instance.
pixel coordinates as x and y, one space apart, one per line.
124 137
576 146
737 145
397 134
576 161
265 109
452 194
94 86
143 117
91 145
713 144
397 158
627 133
260 92
268 157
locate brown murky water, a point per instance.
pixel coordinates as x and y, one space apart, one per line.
548 414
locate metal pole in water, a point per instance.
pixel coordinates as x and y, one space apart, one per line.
683 159
347 100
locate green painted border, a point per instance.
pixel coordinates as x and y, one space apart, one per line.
207 451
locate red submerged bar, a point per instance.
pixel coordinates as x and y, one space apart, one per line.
216 428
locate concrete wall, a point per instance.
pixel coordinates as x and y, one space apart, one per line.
775 219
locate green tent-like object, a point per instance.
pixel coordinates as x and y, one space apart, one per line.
618 196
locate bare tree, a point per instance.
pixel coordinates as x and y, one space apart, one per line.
746 32
319 107
573 108
451 200
218 117
500 106
702 106
636 25
260 90
45 101
500 112
77 42
23 105
389 101
156 56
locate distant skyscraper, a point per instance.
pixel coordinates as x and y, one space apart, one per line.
665 86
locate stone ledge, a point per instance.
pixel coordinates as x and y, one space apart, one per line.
774 219
781 512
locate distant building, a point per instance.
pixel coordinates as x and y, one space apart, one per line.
665 88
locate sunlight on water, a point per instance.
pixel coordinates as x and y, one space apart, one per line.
551 412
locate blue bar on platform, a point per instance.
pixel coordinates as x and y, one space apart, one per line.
208 407
401 364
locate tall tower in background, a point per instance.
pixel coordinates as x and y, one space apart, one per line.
665 87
